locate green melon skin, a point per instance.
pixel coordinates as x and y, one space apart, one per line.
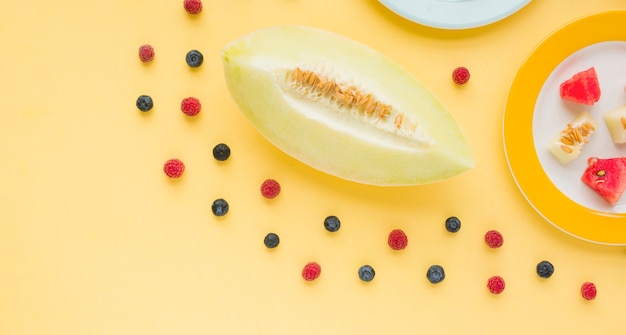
336 139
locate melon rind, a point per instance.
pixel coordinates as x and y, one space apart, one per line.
255 68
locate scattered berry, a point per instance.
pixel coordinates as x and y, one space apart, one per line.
545 269
453 224
588 291
397 239
495 284
194 58
460 75
193 6
366 273
146 53
144 103
190 106
332 223
493 238
435 274
174 168
219 207
270 188
271 240
311 271
221 152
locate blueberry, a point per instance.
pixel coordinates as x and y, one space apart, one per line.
332 223
435 274
545 269
366 273
221 152
219 207
144 103
271 240
453 224
194 58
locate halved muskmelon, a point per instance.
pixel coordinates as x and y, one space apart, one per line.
343 108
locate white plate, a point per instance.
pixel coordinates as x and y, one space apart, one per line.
534 112
454 14
552 114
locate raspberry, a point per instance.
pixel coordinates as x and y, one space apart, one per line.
435 274
146 53
219 207
144 103
311 271
174 168
397 239
270 188
271 240
194 58
221 152
332 223
588 290
460 75
493 238
545 269
193 6
495 284
190 106
366 273
453 224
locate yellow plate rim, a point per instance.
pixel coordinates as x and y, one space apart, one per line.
519 149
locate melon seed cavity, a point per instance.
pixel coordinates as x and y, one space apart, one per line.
362 105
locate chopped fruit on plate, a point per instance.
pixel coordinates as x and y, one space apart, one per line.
615 120
582 88
567 145
607 177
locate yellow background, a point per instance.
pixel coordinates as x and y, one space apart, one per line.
94 239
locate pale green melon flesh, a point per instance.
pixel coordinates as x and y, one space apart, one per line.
338 139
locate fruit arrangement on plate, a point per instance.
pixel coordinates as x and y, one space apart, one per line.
605 176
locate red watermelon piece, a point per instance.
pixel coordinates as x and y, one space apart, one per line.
607 177
582 88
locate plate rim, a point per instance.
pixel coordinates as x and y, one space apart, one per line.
540 197
411 16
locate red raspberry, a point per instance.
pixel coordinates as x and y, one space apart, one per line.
146 53
311 271
460 75
493 238
397 239
495 284
174 168
193 6
270 188
588 290
190 106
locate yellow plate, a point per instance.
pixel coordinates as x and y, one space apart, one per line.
582 221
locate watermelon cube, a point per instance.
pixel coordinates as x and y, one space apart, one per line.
607 177
583 87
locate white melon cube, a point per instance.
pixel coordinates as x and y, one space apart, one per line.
615 120
569 142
